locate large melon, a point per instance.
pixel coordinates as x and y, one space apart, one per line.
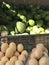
21 26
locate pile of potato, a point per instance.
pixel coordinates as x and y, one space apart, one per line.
12 54
39 56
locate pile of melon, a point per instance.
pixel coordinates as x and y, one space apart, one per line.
12 54
39 56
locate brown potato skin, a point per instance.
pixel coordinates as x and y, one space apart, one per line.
18 62
33 61
2 63
25 53
9 63
38 53
20 48
22 58
12 45
44 61
4 47
1 55
13 59
9 53
4 59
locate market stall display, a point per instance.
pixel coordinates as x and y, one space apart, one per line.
24 33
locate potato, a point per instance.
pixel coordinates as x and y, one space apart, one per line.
32 55
1 55
13 46
4 47
20 47
44 61
25 53
22 58
9 53
2 63
13 59
33 50
46 50
4 59
33 61
16 54
45 54
38 53
18 62
9 63
40 46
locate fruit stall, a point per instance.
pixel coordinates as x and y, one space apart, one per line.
24 32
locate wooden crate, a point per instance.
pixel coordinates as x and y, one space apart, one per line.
29 41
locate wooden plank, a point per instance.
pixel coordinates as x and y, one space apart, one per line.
41 2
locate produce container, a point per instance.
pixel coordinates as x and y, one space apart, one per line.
29 41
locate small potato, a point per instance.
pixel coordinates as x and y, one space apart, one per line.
9 53
33 61
1 55
12 45
46 50
33 50
45 54
2 63
13 59
40 46
25 53
4 59
22 58
18 62
16 54
38 53
20 48
44 61
32 55
9 63
4 47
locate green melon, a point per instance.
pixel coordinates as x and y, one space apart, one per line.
29 28
47 31
12 32
16 31
32 32
36 29
41 29
21 26
31 22
23 18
